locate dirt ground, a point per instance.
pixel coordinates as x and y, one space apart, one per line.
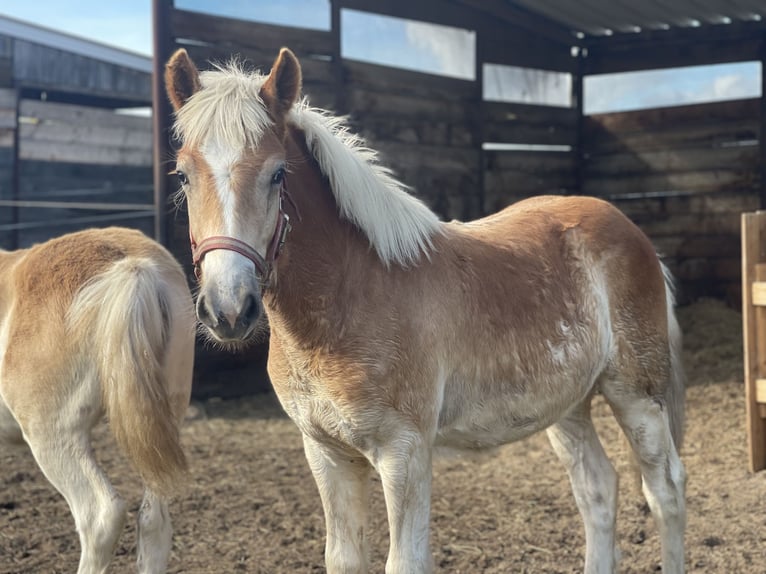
252 505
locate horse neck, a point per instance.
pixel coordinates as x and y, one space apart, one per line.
323 255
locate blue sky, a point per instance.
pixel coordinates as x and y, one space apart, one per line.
127 24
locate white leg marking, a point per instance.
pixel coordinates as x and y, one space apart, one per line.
343 483
404 465
663 476
594 484
155 534
98 511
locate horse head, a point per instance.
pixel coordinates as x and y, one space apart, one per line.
232 169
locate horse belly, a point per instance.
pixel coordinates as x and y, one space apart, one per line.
502 407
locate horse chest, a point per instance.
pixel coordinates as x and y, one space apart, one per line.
318 410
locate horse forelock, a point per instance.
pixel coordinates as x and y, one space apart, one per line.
228 109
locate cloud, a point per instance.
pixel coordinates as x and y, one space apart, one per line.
679 86
453 48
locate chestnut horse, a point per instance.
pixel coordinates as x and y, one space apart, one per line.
92 323
393 333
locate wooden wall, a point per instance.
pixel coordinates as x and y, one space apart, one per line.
71 155
684 175
544 161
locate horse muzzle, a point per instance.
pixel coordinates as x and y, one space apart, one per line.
229 322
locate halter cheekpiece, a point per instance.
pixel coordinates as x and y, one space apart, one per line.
263 265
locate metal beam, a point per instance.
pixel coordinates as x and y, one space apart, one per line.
161 115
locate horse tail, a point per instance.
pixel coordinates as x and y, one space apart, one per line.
675 393
126 315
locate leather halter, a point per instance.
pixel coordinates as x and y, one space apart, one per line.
263 265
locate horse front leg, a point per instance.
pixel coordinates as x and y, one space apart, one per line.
404 465
343 481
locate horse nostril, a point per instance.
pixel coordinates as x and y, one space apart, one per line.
203 313
250 311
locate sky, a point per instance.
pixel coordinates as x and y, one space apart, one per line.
415 45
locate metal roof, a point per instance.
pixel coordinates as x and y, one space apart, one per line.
75 44
608 17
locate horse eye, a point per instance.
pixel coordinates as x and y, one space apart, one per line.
182 179
278 177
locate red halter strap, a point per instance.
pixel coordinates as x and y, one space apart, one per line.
263 266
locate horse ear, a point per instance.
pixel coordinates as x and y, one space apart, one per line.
181 78
283 86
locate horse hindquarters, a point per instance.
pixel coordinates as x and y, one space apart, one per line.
145 342
124 345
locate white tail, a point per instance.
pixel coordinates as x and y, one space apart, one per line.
675 394
125 314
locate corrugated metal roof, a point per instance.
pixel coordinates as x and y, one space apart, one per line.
606 17
69 43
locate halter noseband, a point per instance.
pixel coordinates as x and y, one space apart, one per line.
263 265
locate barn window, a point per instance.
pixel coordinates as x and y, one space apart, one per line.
298 13
408 44
527 86
671 87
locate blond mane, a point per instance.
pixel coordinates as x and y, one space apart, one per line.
399 226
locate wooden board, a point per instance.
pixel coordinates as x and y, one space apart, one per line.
754 333
234 32
398 81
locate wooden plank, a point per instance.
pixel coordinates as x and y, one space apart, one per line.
698 181
72 114
530 113
247 34
84 153
671 118
693 202
671 161
760 326
314 70
529 124
414 130
759 293
529 161
760 391
700 224
753 236
7 98
366 103
422 157
398 81
88 134
703 135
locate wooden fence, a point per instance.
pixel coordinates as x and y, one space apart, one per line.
754 333
64 167
684 175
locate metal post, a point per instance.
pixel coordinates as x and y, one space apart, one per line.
161 116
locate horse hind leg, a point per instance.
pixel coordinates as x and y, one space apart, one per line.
594 484
66 459
646 423
155 534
